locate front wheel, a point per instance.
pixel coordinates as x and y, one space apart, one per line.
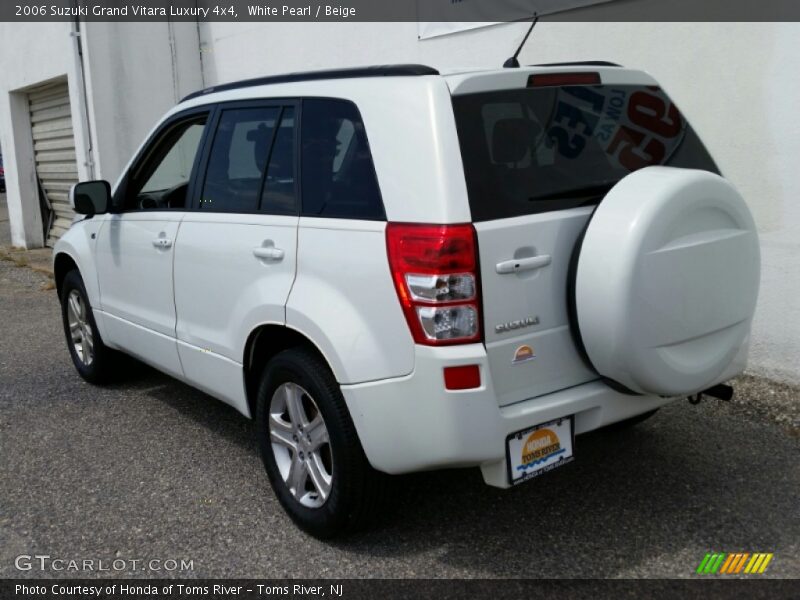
93 360
311 452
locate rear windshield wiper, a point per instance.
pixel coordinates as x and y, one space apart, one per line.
594 190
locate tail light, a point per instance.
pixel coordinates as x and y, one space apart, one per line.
435 272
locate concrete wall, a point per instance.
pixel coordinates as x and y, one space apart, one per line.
30 54
133 73
136 72
739 84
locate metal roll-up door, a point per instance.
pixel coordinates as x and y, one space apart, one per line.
54 151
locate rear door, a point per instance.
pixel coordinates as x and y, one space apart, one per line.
235 255
538 158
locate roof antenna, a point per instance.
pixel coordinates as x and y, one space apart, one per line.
513 63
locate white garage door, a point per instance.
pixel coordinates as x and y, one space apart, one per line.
54 150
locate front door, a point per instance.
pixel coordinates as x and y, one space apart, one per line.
135 247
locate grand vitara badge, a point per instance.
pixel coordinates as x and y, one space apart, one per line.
519 324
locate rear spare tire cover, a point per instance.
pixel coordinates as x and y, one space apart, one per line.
666 281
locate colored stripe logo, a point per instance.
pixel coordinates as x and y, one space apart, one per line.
734 563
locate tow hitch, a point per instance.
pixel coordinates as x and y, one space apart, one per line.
720 391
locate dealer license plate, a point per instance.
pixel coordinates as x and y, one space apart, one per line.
539 449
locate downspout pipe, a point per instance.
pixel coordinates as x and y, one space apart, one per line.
77 45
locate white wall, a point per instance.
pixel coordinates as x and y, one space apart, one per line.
30 54
136 72
739 84
133 73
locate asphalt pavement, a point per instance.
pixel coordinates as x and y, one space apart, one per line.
150 468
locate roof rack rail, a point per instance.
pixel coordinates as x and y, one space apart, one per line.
409 70
582 63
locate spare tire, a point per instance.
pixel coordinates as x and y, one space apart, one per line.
666 281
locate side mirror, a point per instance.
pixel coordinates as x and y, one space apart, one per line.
90 197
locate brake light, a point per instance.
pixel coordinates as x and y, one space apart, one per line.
558 79
435 272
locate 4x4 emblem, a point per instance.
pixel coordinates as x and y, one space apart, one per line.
520 324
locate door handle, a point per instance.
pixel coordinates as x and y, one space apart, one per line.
162 243
523 264
268 252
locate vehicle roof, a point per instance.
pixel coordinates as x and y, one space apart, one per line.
488 78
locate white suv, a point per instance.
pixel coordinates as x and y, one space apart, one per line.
393 270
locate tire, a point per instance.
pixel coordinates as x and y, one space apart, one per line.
631 422
339 491
93 360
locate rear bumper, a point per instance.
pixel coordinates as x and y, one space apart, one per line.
412 423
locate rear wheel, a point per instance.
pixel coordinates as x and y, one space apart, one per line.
93 360
310 448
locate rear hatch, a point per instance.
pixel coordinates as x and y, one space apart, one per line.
540 150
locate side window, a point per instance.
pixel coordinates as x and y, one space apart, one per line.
162 181
337 171
279 195
238 158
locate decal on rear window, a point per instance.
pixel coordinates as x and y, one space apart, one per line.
636 128
533 150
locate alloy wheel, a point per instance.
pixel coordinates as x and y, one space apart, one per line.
301 444
80 329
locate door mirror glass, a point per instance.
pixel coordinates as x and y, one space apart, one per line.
90 197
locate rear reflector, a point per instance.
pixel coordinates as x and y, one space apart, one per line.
462 378
558 79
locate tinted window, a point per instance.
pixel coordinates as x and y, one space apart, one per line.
534 150
162 181
338 174
238 159
279 196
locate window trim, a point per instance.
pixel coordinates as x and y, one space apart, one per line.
200 177
118 200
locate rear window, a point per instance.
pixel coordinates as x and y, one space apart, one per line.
535 150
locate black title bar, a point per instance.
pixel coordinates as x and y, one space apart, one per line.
399 10
388 589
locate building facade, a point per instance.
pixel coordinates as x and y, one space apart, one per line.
77 100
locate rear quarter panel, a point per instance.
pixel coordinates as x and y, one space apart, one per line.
344 300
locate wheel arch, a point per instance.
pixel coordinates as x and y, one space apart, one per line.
63 263
264 342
